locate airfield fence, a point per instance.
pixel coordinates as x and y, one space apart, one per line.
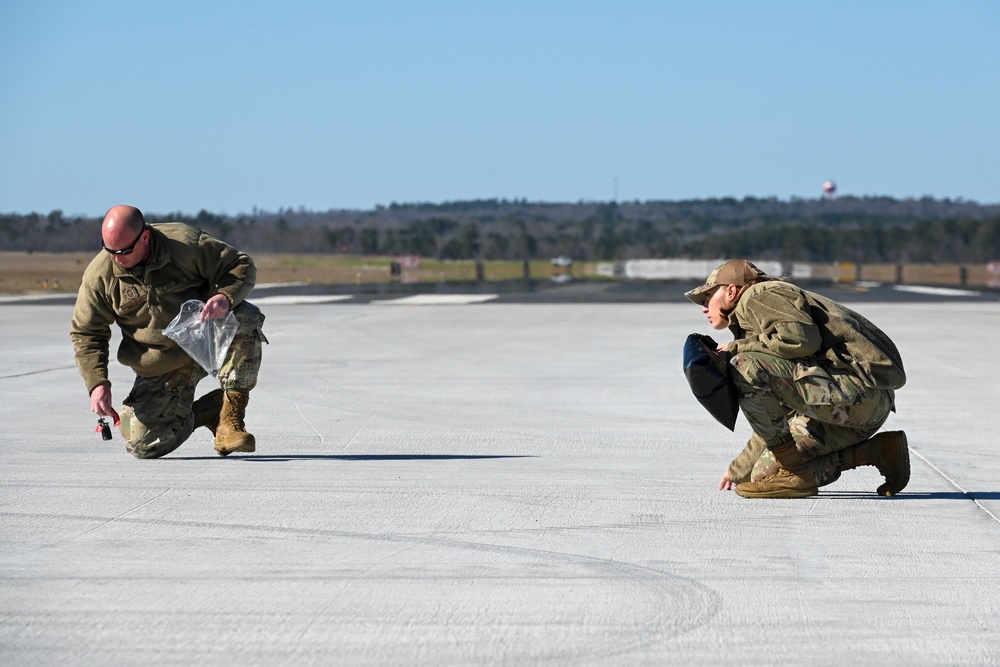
59 272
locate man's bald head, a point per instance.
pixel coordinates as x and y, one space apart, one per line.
123 228
126 219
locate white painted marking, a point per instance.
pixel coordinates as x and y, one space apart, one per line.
299 300
939 291
41 296
437 300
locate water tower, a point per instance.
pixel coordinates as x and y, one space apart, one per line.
829 189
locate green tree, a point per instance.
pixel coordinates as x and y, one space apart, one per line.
369 242
418 238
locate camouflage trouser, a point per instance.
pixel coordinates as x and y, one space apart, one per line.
822 411
157 417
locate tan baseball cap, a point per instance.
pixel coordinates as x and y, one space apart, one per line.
737 272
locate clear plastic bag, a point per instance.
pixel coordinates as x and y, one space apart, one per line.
206 342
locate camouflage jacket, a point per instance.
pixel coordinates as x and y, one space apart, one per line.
782 319
184 263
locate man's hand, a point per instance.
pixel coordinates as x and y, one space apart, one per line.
100 402
215 307
725 484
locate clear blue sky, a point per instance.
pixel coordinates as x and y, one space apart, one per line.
180 106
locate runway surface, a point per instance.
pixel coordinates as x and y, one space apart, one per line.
491 483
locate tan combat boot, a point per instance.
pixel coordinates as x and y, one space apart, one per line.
886 451
206 410
231 435
792 479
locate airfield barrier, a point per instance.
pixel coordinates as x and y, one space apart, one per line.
969 275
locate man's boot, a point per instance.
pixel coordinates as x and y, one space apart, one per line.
792 479
206 410
231 435
887 451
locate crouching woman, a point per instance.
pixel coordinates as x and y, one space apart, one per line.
816 381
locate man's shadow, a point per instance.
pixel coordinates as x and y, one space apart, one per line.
276 458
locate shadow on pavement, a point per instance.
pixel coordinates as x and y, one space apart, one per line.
353 457
905 495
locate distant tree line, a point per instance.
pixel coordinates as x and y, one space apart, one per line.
863 230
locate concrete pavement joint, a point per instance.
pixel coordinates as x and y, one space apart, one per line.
369 420
955 484
44 370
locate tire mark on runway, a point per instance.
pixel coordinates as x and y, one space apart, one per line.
17 499
683 604
316 616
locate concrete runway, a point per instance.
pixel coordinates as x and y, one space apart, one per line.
494 483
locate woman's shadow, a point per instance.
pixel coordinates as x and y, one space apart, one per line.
907 495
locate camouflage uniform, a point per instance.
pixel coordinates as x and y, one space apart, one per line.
824 412
157 417
184 263
809 369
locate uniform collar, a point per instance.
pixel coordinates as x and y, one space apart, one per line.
158 256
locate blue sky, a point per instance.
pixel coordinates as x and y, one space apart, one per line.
227 106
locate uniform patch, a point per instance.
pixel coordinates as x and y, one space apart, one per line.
132 298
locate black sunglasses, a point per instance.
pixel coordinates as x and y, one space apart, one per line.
128 250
